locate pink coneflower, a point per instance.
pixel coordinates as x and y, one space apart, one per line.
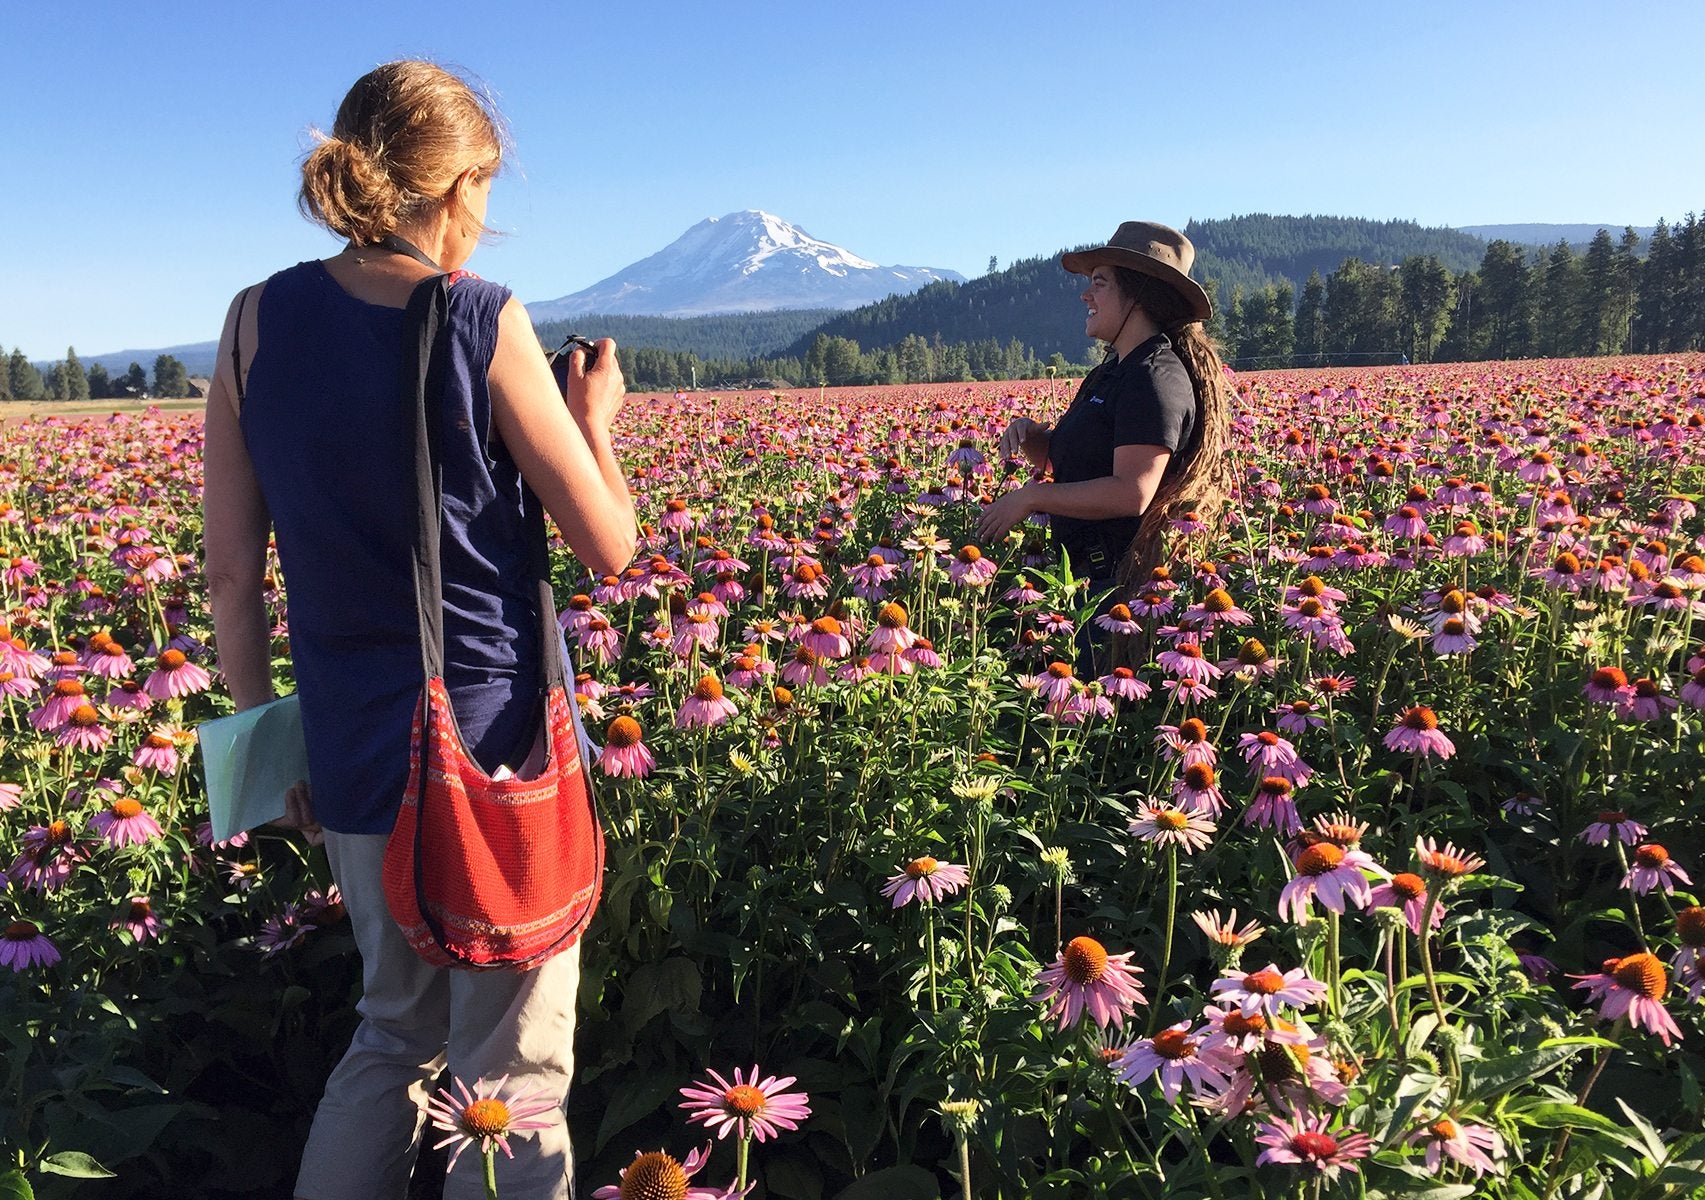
891 635
871 577
175 677
1446 862
1453 637
1085 978
1177 1055
1151 604
83 730
1298 717
1197 789
106 658
1648 703
65 696
1408 892
1307 1140
824 638
706 707
624 753
1168 826
1187 691
1266 751
1119 619
1633 987
803 666
124 822
1652 867
805 582
1216 609
1474 1146
1056 686
1274 806
658 1176
1331 874
1123 684
127 694
1224 931
158 751
1265 990
1613 823
1417 732
1407 522
1186 661
753 1108
1564 572
1187 742
486 1117
970 569
923 654
925 880
23 946
136 917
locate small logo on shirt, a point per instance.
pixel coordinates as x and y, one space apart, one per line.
1095 400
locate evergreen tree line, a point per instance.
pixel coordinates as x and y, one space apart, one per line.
1518 303
68 380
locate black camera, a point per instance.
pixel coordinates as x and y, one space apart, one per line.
558 358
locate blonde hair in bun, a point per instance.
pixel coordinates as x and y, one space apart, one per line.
402 137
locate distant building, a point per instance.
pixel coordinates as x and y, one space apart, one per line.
198 386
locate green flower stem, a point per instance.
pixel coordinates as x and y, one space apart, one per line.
929 950
740 1161
489 1159
964 1168
1334 965
1166 944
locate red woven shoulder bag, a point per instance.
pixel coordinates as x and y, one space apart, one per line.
480 872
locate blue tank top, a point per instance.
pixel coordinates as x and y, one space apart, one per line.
332 443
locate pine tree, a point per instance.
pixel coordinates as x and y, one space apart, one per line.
170 378
24 380
1557 286
134 382
1505 300
100 384
1653 304
5 376
76 380
1600 297
1310 324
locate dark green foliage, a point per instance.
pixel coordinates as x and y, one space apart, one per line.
170 378
719 336
24 382
76 380
100 383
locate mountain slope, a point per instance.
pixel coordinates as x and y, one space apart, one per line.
744 262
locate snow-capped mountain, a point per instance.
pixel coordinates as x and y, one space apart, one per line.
744 262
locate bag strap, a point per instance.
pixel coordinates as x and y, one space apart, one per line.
236 344
424 323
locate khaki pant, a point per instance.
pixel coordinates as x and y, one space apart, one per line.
415 1019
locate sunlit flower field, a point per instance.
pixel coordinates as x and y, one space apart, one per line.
1373 876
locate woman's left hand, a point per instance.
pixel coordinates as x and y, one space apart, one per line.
999 518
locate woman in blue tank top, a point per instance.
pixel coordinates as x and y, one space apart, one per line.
308 441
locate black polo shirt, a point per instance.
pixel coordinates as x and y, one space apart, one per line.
1143 399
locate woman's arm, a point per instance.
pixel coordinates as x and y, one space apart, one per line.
1028 437
563 448
235 526
1137 472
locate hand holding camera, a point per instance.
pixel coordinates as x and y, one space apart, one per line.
590 378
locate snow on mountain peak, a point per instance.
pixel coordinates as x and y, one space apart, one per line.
742 262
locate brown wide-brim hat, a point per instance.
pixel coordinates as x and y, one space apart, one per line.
1158 251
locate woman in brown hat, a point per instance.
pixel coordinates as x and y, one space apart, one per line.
1144 440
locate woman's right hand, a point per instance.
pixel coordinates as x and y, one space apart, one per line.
595 396
1027 437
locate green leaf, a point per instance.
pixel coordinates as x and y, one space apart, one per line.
631 1103
13 1186
1494 1075
1557 1115
893 1183
74 1164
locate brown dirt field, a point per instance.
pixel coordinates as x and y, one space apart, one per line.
35 410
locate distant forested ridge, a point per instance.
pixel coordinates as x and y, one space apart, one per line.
719 336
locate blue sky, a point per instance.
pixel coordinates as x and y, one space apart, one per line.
154 147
